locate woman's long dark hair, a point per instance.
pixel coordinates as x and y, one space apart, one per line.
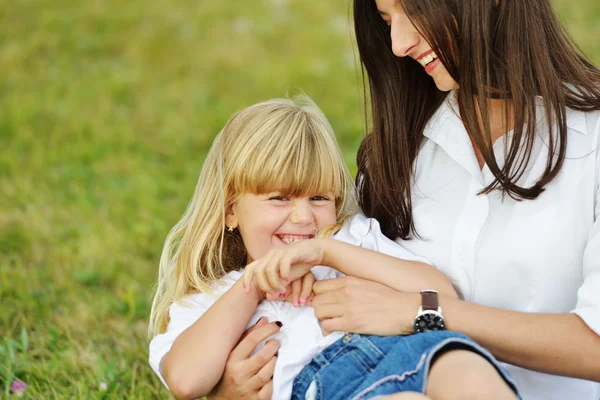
513 49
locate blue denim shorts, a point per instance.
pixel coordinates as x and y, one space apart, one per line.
363 367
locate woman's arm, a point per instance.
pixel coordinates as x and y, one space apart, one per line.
560 344
196 361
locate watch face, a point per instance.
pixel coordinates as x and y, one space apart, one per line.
430 321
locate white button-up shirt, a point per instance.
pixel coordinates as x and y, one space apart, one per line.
539 256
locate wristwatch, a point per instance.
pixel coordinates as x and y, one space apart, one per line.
429 317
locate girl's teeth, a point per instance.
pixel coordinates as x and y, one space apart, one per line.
292 239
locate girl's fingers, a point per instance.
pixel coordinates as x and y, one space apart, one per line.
272 296
284 268
307 283
296 289
272 275
262 281
247 277
309 301
287 295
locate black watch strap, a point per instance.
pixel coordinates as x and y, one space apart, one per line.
429 300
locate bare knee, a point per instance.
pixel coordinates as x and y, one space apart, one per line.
462 374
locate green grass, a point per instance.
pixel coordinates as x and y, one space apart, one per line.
107 109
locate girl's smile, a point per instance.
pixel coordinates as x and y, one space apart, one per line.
288 238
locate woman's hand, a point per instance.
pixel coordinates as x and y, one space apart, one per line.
248 377
282 265
356 305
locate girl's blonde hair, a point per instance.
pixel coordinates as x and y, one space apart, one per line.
279 145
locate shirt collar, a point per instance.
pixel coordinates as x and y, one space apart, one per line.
576 121
442 116
448 113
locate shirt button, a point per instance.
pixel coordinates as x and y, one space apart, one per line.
347 337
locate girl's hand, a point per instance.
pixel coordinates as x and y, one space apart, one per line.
351 304
299 292
282 265
245 377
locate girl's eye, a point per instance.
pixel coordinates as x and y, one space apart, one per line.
320 198
278 198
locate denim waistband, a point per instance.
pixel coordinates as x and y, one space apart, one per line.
371 352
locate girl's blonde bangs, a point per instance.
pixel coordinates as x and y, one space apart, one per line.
297 156
299 174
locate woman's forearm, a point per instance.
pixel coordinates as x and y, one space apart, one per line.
197 359
560 344
402 275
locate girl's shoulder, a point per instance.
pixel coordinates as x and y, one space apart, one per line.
356 228
203 300
366 233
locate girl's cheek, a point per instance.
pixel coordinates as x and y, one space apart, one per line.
327 217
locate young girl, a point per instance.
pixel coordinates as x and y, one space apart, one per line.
273 177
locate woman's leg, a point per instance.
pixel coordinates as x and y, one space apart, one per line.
463 374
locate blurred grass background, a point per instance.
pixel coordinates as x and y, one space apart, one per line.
107 109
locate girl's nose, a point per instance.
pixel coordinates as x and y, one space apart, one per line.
302 212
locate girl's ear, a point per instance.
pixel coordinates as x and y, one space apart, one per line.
230 216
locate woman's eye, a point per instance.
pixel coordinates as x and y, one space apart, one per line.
386 22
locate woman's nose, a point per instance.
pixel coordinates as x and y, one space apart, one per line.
404 38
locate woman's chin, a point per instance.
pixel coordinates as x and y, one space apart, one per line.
445 85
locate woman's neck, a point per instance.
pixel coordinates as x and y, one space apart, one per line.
499 124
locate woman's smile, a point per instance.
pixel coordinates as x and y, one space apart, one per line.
429 61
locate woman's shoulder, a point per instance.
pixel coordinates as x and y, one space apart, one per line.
583 132
584 122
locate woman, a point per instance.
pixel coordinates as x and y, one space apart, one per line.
484 157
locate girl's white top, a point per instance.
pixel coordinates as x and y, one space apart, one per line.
300 337
538 256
